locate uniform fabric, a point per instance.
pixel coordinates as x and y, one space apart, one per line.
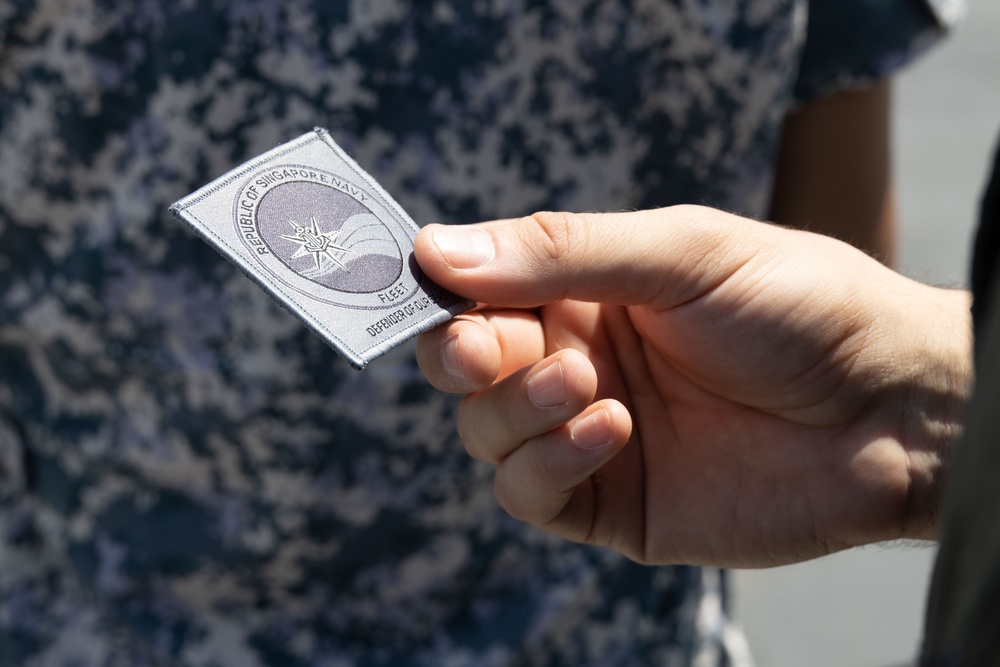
986 253
963 613
189 477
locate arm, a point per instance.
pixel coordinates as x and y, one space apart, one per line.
834 170
689 386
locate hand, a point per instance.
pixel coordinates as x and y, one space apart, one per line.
688 386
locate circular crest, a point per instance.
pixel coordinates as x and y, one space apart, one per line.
319 235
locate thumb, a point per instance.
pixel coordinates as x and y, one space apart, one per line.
659 258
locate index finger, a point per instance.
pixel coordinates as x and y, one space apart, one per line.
474 350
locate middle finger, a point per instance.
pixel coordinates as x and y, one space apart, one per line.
532 401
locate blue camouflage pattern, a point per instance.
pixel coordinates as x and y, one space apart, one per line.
188 476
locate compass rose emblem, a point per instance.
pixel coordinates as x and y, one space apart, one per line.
321 245
312 232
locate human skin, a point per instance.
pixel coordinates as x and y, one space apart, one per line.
687 386
833 173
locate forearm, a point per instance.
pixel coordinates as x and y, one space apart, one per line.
834 173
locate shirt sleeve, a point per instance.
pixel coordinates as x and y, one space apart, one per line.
853 43
986 252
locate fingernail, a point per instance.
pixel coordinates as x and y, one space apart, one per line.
464 248
451 360
546 388
593 431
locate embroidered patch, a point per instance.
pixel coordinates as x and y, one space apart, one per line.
320 235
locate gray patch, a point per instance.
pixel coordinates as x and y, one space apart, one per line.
327 242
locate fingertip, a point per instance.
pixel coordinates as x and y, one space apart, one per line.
606 425
593 430
429 258
459 357
453 247
424 250
580 374
540 482
469 357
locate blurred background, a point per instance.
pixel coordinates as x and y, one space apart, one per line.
864 607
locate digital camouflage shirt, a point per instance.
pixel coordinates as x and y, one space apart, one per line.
187 475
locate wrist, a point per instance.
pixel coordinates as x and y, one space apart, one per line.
940 373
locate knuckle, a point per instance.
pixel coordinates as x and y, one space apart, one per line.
471 435
691 211
557 234
510 502
553 232
542 469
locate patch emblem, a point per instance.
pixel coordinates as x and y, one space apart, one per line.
316 227
327 242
